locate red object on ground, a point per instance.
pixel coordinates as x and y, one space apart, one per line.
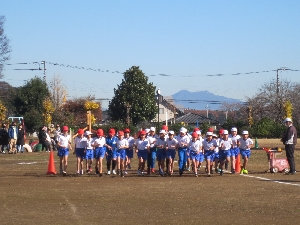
51 166
238 164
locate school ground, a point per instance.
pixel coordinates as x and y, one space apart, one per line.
29 196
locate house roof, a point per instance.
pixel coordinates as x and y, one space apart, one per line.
194 118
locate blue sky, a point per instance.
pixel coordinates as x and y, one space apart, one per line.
187 40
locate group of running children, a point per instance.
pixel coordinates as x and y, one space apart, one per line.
118 149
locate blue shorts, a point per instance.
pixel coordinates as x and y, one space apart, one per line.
161 154
234 152
89 154
100 152
245 153
194 156
111 154
217 156
80 153
201 157
209 155
142 154
61 152
129 153
224 154
170 154
121 153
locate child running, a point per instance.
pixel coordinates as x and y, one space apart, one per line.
80 145
183 142
234 151
99 144
142 147
245 143
121 146
209 145
89 153
129 150
64 145
171 144
195 146
225 146
160 144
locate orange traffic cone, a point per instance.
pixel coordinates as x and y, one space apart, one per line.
238 164
51 166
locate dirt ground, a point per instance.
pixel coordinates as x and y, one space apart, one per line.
29 196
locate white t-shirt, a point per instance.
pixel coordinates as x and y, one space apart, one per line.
89 143
130 141
234 139
99 141
244 144
152 140
160 144
195 146
171 144
80 142
226 144
63 140
185 140
207 145
142 144
122 143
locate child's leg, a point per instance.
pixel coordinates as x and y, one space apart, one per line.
65 160
208 165
170 168
245 162
78 164
100 162
118 162
232 158
61 164
162 165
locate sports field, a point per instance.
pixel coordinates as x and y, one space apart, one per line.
29 196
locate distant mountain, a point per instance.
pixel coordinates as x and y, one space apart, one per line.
200 99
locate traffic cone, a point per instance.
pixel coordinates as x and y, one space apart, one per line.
238 164
51 166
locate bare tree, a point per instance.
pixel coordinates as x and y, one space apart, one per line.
5 48
58 92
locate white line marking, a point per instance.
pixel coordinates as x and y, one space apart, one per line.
28 163
275 181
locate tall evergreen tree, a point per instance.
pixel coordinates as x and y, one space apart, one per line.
134 98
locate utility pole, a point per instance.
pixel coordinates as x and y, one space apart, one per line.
44 62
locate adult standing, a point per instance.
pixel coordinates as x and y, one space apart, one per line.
3 137
43 138
13 135
20 139
289 139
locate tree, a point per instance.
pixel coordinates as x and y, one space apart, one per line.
29 101
5 48
134 98
57 91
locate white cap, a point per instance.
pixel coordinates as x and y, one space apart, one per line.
171 132
287 120
88 133
245 132
198 132
209 133
214 135
162 131
234 129
183 130
147 130
152 128
225 132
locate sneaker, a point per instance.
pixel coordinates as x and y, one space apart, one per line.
118 172
129 166
226 166
242 171
245 171
100 174
122 174
87 171
196 175
114 172
233 171
96 170
61 171
108 172
152 170
64 173
126 172
139 172
189 169
208 174
291 173
90 169
180 172
221 173
143 174
3 152
81 172
77 174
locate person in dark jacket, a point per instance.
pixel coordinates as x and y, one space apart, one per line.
43 138
289 140
4 139
13 135
20 139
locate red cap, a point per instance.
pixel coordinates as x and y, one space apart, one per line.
65 128
196 129
120 133
112 131
100 132
165 127
210 130
126 130
221 131
80 131
142 132
194 135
